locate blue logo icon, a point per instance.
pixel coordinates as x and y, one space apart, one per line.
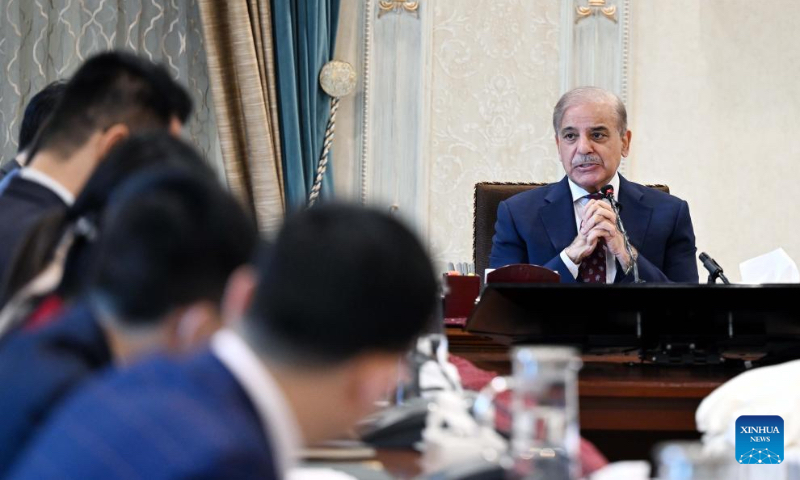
759 439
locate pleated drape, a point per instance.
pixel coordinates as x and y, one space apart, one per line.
304 32
241 64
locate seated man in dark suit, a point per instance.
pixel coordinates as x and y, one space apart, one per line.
37 111
110 96
336 302
160 257
566 228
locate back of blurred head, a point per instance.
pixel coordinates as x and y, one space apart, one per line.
110 96
339 298
37 111
169 242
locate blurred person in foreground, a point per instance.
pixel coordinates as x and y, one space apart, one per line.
316 334
112 95
143 274
50 266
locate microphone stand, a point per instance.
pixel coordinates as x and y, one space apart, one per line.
712 278
634 259
714 270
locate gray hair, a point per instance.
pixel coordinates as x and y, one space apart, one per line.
582 95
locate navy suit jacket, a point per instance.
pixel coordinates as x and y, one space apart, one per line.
22 204
535 226
37 371
162 419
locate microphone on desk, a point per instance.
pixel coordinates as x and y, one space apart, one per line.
714 270
608 194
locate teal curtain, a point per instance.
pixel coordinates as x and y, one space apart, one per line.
305 33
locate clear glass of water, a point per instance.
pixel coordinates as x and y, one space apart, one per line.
545 436
545 432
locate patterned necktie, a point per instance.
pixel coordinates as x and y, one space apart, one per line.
593 268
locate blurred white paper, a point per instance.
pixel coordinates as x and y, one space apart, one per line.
628 470
311 473
773 267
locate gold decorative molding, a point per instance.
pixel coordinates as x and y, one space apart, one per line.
595 6
410 6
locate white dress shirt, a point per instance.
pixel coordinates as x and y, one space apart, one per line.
277 417
579 201
49 183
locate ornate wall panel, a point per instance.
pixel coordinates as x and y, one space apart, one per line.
392 161
45 40
595 47
495 82
595 44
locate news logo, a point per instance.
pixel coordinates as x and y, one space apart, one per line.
759 439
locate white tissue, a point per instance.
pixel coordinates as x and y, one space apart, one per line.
772 390
772 267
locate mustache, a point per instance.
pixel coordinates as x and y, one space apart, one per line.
586 160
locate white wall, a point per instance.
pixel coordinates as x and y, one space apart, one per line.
715 113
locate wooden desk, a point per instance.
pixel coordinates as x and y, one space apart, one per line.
401 463
626 407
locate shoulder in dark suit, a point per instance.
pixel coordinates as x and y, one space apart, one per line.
535 226
22 203
163 419
39 368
